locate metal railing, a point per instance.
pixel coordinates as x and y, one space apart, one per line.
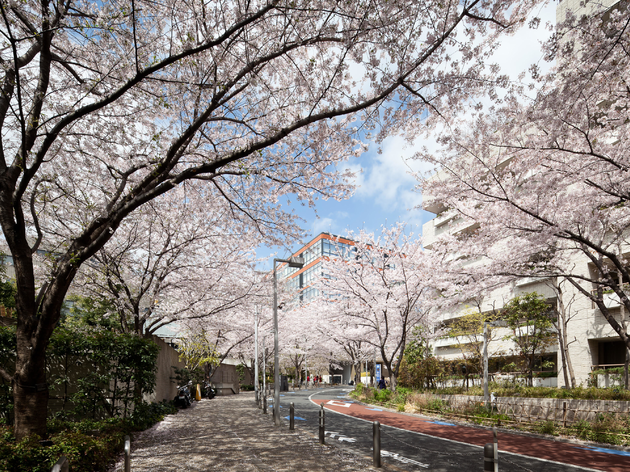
62 465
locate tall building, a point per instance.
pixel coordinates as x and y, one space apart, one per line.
321 246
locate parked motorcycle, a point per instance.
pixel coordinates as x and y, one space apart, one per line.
208 390
183 399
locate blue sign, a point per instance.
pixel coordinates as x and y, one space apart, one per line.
378 373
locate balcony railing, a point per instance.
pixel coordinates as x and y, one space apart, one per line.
529 280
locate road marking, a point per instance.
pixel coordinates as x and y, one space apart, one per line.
374 409
402 459
604 450
339 437
295 418
442 423
336 403
579 467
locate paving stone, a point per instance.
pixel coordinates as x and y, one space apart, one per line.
230 434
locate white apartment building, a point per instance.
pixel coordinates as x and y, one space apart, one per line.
593 343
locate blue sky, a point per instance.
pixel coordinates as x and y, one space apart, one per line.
385 191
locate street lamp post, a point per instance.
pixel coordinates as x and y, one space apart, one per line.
256 391
296 262
264 372
486 394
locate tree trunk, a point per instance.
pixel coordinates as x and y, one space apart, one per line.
563 342
30 400
30 390
36 322
567 360
393 381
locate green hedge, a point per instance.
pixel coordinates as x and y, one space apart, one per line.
89 445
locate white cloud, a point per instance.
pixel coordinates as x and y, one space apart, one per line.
321 225
388 180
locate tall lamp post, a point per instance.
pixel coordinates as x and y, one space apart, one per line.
297 262
486 394
256 392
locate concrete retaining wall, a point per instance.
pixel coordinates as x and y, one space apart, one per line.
167 361
544 409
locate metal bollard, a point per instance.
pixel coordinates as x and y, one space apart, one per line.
496 450
488 457
265 404
322 425
292 417
127 453
376 427
62 465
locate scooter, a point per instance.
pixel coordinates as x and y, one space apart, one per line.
208 390
182 399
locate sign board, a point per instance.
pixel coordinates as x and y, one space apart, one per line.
378 373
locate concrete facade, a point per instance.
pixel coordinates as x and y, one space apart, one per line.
167 361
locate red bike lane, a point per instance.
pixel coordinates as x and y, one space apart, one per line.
573 454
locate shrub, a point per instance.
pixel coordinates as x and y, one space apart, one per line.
547 427
382 396
90 445
146 415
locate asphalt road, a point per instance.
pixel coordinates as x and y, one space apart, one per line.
410 450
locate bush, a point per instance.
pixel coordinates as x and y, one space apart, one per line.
146 415
90 445
547 427
84 452
383 395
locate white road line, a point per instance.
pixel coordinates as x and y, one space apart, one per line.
402 459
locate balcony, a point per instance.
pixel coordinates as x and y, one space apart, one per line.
445 342
443 218
448 341
530 280
611 300
432 205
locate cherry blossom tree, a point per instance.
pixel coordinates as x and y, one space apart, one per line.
210 340
105 106
538 184
178 258
381 292
303 335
